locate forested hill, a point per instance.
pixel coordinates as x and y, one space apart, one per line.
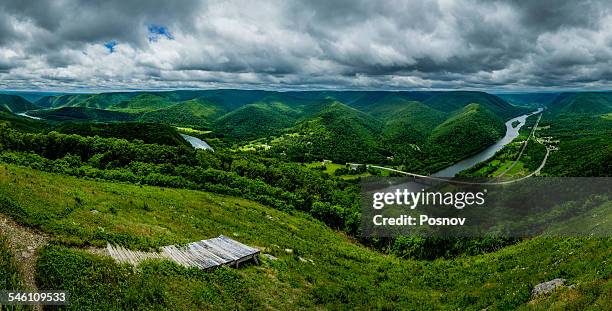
360 126
15 104
530 100
582 103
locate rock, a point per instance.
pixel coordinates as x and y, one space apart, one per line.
572 286
288 251
270 257
547 287
94 211
302 259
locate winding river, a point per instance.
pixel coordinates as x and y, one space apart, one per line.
511 134
196 142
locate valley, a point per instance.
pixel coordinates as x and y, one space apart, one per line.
281 171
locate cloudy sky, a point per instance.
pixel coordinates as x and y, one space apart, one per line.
346 44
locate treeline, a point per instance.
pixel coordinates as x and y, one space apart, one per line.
585 145
150 133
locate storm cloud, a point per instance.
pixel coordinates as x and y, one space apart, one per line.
123 44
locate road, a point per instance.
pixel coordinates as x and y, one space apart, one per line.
522 149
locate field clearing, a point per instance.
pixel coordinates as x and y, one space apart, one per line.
188 130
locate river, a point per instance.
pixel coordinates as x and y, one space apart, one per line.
511 134
25 114
197 143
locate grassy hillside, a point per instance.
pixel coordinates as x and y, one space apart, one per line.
316 267
83 114
15 104
9 272
149 133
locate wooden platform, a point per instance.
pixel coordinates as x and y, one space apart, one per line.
203 254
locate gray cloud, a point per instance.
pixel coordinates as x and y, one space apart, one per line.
306 44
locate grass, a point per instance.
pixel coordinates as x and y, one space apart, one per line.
342 275
9 273
188 130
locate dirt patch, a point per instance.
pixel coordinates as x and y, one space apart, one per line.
24 242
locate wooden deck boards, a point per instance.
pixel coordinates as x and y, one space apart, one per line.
202 254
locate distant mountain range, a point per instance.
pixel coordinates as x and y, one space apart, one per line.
339 125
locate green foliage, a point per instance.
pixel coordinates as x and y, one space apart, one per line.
15 104
452 101
343 274
99 283
411 124
195 113
83 114
253 121
468 131
585 145
10 278
149 133
529 100
142 102
590 103
339 133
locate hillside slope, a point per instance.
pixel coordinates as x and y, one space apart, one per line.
253 121
468 131
83 114
454 100
582 103
315 268
15 104
339 133
196 113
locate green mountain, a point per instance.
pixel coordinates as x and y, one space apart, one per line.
143 102
411 123
468 131
451 101
254 121
585 103
15 104
338 133
529 100
197 113
83 114
98 101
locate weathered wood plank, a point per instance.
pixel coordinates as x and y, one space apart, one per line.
202 254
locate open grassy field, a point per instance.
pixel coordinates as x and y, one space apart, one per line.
316 267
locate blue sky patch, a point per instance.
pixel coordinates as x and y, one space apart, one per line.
157 31
110 45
